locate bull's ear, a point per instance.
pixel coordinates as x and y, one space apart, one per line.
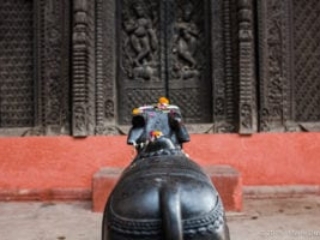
137 129
176 123
175 119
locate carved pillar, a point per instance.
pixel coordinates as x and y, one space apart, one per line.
106 66
53 66
274 64
83 102
224 64
218 69
91 84
247 80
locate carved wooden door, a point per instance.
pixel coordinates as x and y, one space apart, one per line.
163 50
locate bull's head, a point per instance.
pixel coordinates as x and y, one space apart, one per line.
154 122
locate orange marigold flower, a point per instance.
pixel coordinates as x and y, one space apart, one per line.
136 111
156 134
163 100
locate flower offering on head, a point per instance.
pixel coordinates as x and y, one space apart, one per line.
163 102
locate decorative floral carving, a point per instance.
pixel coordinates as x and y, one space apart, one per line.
109 109
80 120
246 115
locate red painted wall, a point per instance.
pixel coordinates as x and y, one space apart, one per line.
65 162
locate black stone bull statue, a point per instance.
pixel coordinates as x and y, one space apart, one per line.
162 194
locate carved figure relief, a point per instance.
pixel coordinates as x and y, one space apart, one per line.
186 40
188 56
80 120
140 41
246 113
164 50
109 109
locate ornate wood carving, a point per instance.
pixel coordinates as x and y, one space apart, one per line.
53 61
91 41
217 62
140 42
165 50
106 66
84 88
156 63
274 47
201 54
188 58
247 99
79 62
224 66
139 63
187 40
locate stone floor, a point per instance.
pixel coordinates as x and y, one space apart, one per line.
274 219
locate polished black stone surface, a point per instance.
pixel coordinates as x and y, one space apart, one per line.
163 194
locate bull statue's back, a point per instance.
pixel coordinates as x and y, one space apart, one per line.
162 194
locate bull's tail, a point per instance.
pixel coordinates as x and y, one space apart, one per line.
171 212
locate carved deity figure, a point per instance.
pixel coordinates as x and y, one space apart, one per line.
185 45
141 43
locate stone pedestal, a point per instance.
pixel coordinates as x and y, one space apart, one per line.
228 183
226 179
